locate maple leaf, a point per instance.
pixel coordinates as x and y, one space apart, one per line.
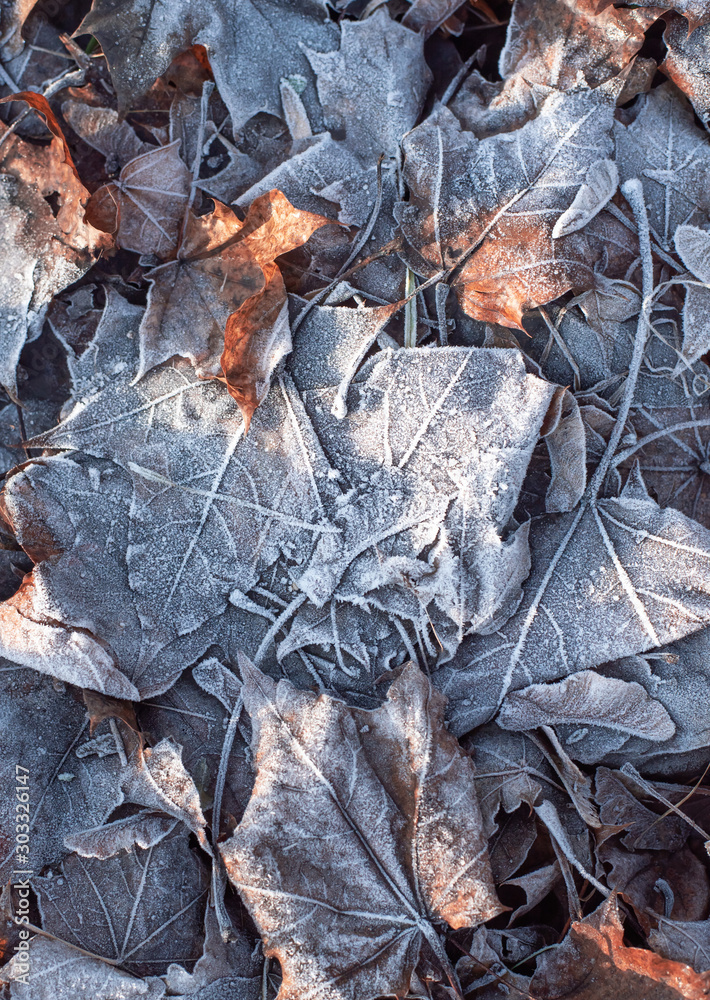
226 276
623 560
45 250
592 963
125 907
350 922
375 86
556 43
499 216
79 974
140 42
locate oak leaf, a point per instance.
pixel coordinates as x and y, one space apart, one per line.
396 793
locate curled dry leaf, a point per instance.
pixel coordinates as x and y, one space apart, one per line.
363 832
591 699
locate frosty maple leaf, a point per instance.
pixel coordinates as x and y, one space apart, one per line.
141 41
125 908
225 274
499 213
374 87
622 561
43 253
393 789
594 964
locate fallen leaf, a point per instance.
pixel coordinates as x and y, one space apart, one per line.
686 61
144 829
140 44
142 910
500 216
351 921
592 963
588 698
45 250
623 560
373 89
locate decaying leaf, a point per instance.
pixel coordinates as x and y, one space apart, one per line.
594 964
349 920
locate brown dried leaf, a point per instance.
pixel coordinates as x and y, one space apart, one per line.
146 205
687 62
362 832
592 963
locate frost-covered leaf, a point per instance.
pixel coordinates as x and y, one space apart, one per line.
501 209
229 965
687 62
600 184
645 830
225 276
348 920
593 963
665 149
556 43
80 976
251 46
145 829
373 88
616 574
693 246
686 941
588 698
146 205
143 909
43 251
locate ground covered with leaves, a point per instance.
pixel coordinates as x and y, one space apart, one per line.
355 527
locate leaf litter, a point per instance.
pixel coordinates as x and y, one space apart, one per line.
355 528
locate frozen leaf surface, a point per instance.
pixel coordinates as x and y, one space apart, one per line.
588 697
141 41
501 202
143 909
146 205
348 920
